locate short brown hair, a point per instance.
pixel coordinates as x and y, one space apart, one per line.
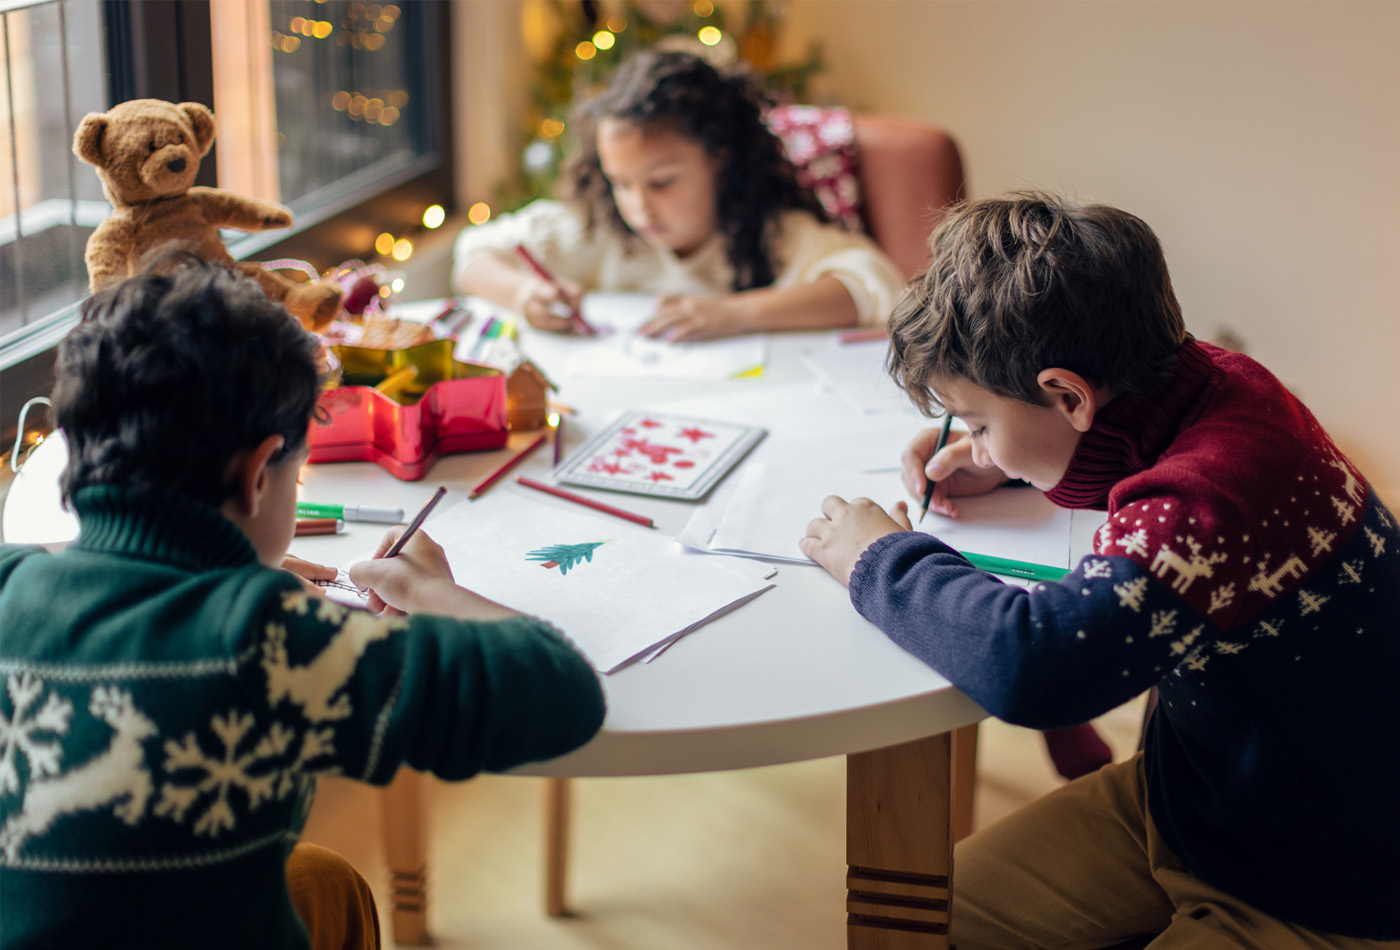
1028 281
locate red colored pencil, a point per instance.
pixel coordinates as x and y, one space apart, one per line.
586 502
306 526
543 274
499 473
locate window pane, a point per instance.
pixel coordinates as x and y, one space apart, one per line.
51 74
347 95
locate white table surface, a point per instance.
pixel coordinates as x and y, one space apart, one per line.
794 674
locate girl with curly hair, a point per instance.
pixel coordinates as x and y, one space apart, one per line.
679 189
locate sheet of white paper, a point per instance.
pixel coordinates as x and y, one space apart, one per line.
770 505
619 351
615 589
857 372
810 426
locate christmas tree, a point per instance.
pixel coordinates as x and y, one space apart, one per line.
564 556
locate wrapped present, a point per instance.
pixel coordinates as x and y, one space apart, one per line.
404 408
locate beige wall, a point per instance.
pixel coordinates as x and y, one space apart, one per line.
1260 139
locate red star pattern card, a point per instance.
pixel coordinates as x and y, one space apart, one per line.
650 453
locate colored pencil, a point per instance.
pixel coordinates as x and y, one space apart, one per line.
558 437
499 473
586 502
938 447
545 275
308 526
417 522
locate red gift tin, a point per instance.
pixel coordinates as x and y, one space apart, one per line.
446 407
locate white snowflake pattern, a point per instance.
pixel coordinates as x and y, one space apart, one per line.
1098 569
1196 660
1131 593
1377 542
1163 623
1345 512
1351 571
222 773
1321 540
1382 516
1180 646
1309 602
1229 648
19 732
1222 597
1267 629
1134 543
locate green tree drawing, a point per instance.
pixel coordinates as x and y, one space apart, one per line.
565 555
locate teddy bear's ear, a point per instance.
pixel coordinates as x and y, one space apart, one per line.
203 121
87 141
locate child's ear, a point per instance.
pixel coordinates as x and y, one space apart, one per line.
251 476
1073 395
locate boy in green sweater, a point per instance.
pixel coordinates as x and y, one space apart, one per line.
169 694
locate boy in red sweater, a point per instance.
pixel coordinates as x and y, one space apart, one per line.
1246 570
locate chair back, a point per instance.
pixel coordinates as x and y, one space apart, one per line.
909 171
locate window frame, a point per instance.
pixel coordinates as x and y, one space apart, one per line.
139 36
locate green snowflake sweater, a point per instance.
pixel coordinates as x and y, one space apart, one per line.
167 702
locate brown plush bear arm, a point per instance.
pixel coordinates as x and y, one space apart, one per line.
109 248
224 209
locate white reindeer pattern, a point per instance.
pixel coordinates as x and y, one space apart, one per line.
1186 570
117 774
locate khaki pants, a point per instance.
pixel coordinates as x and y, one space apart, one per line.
1083 868
332 899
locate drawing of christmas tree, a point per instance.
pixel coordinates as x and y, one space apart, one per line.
564 556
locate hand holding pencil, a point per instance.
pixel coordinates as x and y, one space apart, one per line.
551 303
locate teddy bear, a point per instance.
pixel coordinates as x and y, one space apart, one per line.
147 154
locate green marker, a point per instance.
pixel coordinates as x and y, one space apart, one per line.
350 512
1005 565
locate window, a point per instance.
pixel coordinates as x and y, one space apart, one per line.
332 107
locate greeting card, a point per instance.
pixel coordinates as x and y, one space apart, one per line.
660 454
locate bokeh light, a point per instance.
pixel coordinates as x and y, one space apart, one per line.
479 213
433 217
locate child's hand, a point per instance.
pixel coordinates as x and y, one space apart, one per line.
680 319
419 580
410 580
838 539
547 305
309 572
953 468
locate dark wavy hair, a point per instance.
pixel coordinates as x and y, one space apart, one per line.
723 113
1028 281
173 372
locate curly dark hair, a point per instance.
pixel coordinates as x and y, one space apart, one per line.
1028 281
723 113
173 372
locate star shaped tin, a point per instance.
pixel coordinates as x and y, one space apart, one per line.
434 406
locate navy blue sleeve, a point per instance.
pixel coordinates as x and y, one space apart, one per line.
1052 655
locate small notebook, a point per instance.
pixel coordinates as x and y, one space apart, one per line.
650 453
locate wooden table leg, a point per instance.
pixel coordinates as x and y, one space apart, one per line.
964 779
406 854
556 846
899 846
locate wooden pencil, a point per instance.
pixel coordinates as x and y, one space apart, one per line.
567 495
499 473
417 522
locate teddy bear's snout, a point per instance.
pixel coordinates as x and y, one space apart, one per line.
176 166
